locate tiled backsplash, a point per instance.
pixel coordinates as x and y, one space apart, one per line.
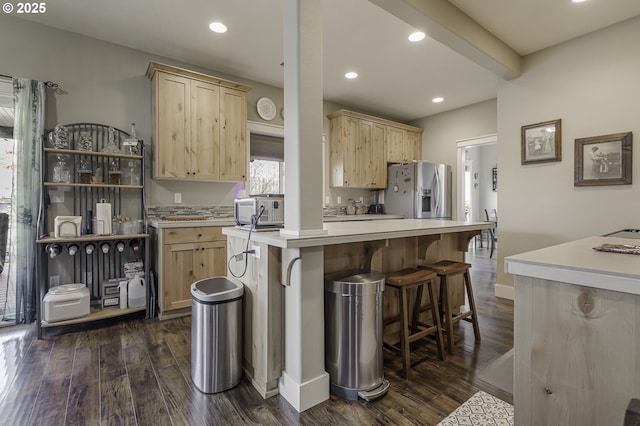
157 212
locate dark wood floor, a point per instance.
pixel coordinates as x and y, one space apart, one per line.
138 372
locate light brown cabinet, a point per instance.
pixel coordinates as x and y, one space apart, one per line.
357 150
361 145
183 256
199 129
403 145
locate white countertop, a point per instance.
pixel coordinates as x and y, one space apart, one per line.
576 262
348 232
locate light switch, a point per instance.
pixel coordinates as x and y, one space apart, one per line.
177 198
338 200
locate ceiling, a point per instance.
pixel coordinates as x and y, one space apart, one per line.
397 79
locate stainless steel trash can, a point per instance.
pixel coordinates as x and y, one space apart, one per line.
216 333
353 334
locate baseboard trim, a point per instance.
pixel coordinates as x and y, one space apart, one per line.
504 291
304 395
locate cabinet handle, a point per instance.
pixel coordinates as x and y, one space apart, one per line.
199 235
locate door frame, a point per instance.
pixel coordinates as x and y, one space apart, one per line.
461 146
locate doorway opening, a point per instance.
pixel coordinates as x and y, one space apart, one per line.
477 178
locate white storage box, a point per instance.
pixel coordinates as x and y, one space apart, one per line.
65 302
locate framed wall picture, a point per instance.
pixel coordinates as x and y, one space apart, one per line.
603 160
541 142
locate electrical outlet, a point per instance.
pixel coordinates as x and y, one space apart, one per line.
327 200
177 198
54 280
338 200
360 199
256 251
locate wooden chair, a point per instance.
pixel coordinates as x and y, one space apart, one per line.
492 216
445 269
412 331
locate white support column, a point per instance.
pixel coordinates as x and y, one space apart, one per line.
303 116
304 383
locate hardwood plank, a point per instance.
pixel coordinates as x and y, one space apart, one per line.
116 406
147 398
14 345
51 403
26 383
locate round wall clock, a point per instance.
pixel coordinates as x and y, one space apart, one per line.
266 108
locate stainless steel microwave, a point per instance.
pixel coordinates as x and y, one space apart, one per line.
265 210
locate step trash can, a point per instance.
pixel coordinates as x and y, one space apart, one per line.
216 333
353 334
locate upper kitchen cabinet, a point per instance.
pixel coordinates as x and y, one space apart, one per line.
404 144
357 147
361 145
199 125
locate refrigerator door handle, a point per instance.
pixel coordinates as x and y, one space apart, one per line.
436 196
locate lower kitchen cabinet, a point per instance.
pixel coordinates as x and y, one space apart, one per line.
182 257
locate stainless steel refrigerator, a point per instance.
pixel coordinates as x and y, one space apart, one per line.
420 190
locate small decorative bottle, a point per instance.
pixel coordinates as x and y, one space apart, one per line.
84 172
114 172
111 144
61 170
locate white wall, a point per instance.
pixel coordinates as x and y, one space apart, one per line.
484 158
593 85
488 198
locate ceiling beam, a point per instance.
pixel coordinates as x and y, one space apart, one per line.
444 22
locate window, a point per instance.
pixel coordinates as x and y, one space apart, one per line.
266 169
266 177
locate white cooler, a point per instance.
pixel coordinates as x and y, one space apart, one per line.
65 302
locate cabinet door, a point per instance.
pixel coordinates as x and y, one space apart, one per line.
353 148
210 260
413 148
233 135
395 144
205 131
173 131
371 156
178 275
377 171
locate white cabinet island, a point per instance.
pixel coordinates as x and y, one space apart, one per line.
275 304
576 333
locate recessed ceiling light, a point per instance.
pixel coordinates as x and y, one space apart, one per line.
437 100
351 74
578 1
218 27
417 36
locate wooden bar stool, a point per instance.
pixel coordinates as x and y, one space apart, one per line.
410 332
446 269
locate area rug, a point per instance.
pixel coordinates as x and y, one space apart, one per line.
481 409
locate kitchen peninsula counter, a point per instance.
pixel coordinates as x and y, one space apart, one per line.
284 290
576 333
361 231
